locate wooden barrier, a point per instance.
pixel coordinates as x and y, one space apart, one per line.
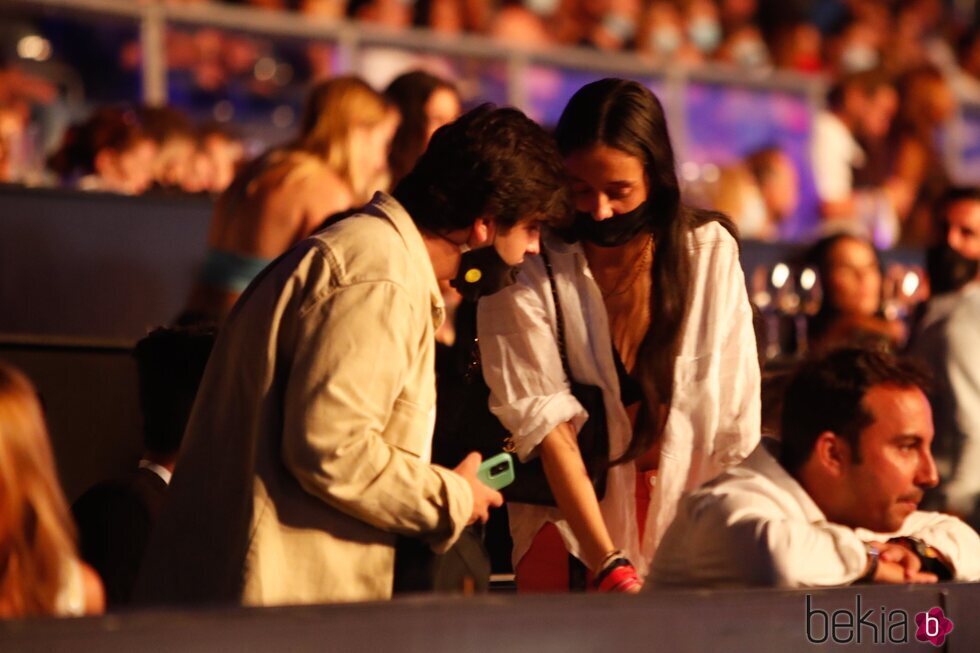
90 400
96 265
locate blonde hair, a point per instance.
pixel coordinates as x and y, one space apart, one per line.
334 109
37 535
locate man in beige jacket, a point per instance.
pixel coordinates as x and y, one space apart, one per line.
308 448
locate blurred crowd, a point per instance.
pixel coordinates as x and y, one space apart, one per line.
808 36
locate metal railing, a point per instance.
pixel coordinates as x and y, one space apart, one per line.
350 36
351 39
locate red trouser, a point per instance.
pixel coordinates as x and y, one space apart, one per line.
544 568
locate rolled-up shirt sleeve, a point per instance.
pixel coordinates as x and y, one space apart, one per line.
529 391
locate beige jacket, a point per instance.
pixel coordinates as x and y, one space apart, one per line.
307 450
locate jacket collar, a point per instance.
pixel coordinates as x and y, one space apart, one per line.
385 206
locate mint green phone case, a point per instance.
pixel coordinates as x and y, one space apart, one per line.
497 472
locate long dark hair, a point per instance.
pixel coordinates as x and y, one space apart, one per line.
627 116
410 93
818 257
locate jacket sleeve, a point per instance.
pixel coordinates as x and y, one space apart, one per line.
529 391
348 438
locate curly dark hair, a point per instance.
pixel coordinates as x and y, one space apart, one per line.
490 161
827 393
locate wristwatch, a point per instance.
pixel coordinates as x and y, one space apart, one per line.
932 560
873 555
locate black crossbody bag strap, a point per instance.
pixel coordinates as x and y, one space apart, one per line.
559 318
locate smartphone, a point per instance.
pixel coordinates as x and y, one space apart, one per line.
497 472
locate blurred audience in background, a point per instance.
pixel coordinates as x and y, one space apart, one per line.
860 111
426 103
946 339
851 312
337 161
175 166
926 105
132 151
759 193
42 573
223 152
929 49
110 151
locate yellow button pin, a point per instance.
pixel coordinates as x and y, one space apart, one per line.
473 275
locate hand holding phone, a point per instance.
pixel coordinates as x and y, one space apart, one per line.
497 472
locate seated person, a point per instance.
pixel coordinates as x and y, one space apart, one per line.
837 503
115 517
852 311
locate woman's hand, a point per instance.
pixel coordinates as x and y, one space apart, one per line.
617 574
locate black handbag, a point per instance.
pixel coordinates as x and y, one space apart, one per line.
485 433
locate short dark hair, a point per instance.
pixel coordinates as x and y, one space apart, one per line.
489 161
762 161
953 196
868 82
170 362
948 270
827 394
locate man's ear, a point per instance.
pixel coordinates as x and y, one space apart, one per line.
832 453
483 229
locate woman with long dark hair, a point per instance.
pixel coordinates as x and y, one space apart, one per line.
851 310
643 278
426 103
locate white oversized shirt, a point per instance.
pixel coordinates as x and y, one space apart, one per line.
755 525
714 418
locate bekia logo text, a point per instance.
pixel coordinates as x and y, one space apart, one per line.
881 626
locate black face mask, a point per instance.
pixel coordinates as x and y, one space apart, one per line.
483 272
612 232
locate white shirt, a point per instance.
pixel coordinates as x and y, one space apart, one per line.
834 154
714 418
756 526
161 471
